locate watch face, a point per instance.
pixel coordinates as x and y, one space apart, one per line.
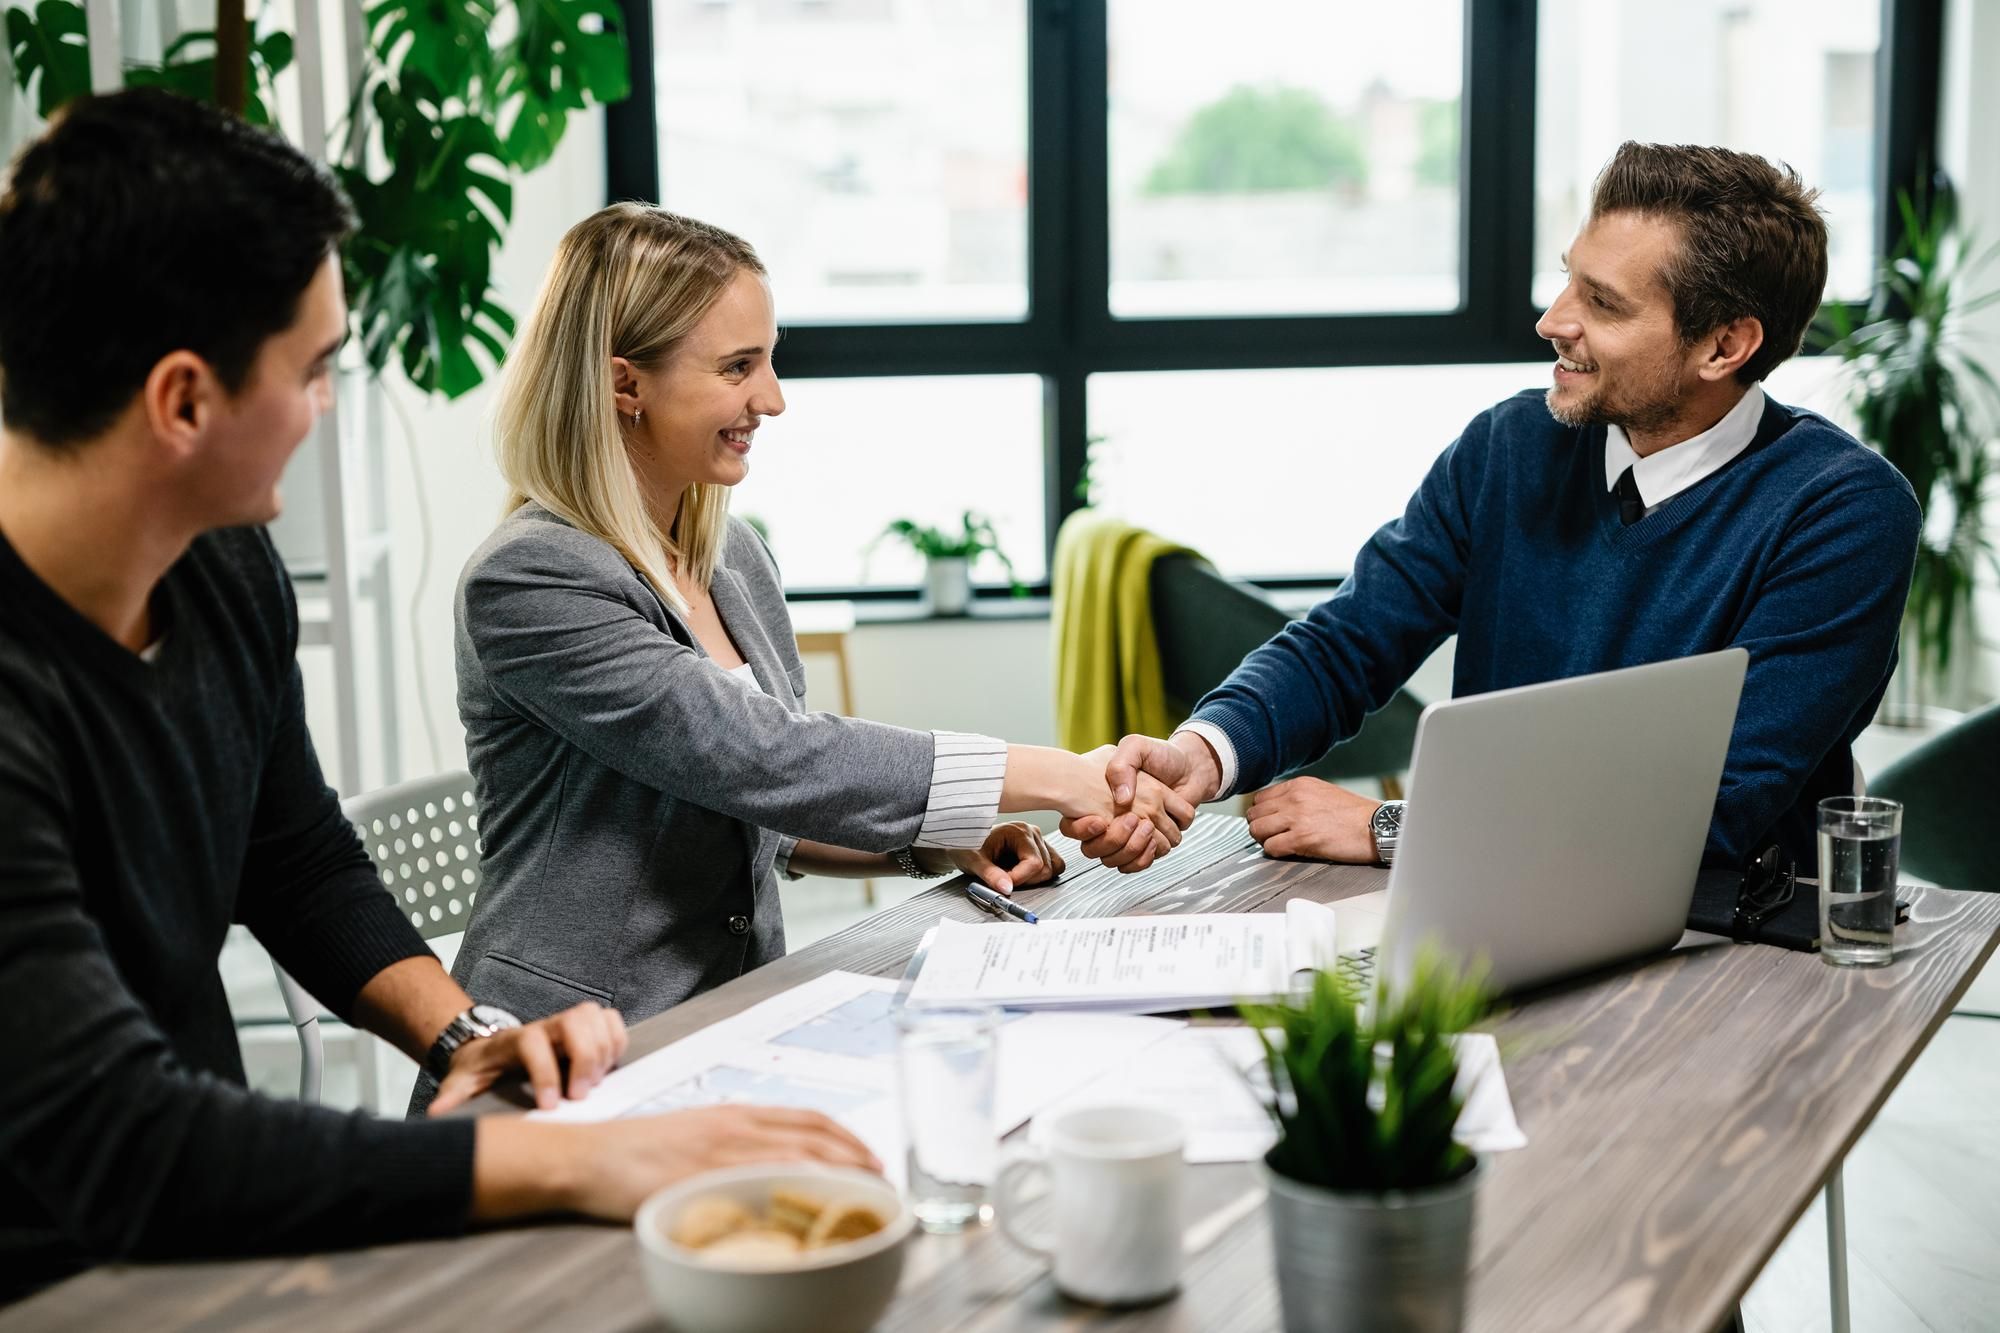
493 1017
1389 816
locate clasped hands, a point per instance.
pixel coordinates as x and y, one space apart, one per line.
1300 817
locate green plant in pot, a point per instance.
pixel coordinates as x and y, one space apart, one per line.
948 557
1926 402
1370 1197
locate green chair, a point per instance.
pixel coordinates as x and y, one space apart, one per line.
1946 786
1206 625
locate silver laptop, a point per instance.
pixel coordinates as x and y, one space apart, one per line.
1554 828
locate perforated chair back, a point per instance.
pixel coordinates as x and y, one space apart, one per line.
424 838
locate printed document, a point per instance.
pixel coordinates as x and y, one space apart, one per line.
1136 964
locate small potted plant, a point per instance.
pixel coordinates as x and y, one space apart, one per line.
1370 1197
948 558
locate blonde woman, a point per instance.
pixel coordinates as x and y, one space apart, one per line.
629 682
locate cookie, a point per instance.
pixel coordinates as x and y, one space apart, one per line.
708 1219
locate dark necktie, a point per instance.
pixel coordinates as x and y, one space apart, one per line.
1630 507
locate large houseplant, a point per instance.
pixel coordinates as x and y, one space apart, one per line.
1925 401
455 101
1370 1196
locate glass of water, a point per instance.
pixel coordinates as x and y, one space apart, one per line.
947 1059
1860 839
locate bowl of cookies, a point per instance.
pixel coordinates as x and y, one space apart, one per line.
775 1248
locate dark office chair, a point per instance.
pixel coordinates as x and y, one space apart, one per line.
1946 786
1206 625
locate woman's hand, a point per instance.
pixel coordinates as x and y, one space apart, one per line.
1015 855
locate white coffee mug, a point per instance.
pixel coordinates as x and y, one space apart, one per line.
1115 1187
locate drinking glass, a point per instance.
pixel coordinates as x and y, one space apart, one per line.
1860 839
947 1058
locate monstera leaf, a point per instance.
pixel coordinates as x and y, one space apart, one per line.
51 48
568 52
449 45
420 265
188 68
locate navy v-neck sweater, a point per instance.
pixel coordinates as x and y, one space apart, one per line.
1800 550
144 807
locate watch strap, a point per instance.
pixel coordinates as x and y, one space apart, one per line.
906 858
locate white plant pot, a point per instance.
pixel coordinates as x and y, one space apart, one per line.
947 585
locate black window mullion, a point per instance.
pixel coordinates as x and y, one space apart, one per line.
1497 198
1906 92
1072 277
632 127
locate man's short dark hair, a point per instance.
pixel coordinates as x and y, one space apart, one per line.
138 224
1752 240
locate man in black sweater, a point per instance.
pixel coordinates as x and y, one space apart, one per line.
170 306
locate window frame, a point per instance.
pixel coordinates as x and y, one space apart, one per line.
1066 336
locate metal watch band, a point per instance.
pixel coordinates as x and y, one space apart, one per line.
465 1027
906 857
1386 827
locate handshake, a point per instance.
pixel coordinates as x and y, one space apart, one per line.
1135 798
1129 803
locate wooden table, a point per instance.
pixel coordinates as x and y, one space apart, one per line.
1681 1113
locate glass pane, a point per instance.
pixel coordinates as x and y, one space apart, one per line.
874 152
1300 158
850 456
1791 80
1287 473
1280 472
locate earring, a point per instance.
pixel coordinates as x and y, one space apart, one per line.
635 416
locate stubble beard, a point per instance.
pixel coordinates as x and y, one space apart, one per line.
1592 410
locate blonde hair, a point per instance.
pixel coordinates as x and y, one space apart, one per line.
630 281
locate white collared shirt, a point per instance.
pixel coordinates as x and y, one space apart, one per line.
1662 475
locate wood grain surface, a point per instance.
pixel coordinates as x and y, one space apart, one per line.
1681 1113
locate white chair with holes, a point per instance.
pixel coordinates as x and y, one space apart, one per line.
423 836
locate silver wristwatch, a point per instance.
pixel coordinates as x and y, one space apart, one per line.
1386 824
906 857
481 1020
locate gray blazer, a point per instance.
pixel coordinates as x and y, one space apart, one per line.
633 794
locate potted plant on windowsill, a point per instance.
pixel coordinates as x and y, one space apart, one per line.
948 558
1370 1197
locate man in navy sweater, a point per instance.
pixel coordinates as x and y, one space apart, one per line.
1652 504
170 308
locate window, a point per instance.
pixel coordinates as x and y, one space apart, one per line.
1280 473
1791 80
848 456
1271 256
1252 176
874 153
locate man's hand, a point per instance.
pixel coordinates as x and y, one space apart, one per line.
1185 763
1308 817
1182 772
1131 835
606 1170
1015 855
590 1036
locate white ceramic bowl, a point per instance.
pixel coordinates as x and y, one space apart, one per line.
842 1289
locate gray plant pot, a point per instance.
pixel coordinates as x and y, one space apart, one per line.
1371 1263
947 585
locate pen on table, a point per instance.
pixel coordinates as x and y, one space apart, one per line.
998 902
